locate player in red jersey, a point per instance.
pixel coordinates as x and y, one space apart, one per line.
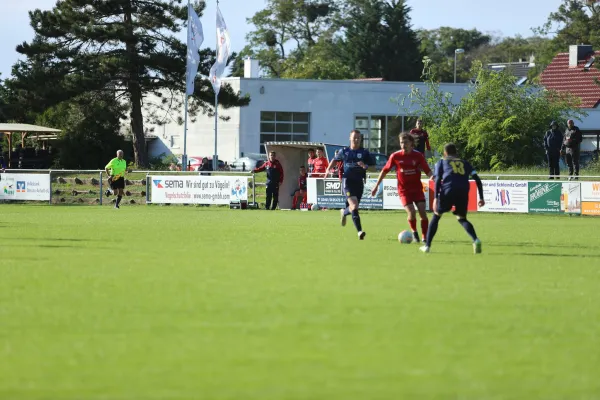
409 163
422 137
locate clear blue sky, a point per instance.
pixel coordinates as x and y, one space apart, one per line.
505 18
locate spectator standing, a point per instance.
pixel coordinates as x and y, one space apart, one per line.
274 179
311 160
320 164
205 167
553 140
572 148
421 136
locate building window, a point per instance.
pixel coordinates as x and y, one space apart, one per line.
279 126
380 132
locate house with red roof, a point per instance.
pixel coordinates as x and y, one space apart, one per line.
576 72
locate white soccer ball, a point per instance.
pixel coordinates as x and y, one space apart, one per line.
405 237
314 207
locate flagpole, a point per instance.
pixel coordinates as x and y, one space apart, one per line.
185 113
215 156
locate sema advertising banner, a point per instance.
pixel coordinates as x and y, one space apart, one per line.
25 187
198 189
590 198
505 196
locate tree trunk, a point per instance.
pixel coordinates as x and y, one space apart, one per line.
135 94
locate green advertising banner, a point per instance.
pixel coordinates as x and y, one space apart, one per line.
544 197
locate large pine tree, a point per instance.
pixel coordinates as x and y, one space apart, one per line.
379 41
126 47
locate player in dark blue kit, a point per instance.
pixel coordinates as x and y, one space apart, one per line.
355 160
452 190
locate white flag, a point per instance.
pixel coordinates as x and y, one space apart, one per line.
194 41
223 47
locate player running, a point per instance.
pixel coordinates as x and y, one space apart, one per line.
356 161
409 163
452 189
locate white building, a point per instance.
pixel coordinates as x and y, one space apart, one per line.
298 110
326 111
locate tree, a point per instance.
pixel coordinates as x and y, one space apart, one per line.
286 28
379 42
497 124
439 45
90 126
575 22
123 47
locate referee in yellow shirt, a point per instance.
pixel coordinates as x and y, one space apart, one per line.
116 170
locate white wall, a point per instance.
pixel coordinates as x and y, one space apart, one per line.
200 135
332 104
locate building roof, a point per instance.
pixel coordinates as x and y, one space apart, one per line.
518 69
26 128
579 81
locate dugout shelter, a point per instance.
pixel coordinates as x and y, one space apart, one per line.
292 156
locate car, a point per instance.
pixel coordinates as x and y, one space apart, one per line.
194 163
246 164
380 160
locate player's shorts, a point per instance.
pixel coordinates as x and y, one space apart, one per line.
460 202
118 183
354 188
411 197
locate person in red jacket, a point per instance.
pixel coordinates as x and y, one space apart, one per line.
422 138
320 165
301 189
274 179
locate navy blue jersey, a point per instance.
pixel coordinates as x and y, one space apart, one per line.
351 158
455 174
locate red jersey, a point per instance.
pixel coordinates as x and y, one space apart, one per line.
408 170
422 139
320 165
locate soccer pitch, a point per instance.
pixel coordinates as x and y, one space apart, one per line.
200 303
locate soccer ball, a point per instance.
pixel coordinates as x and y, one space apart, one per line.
405 237
314 207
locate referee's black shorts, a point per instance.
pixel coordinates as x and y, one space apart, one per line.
118 183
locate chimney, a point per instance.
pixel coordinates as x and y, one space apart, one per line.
251 68
578 53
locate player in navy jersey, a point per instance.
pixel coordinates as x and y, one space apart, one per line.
452 190
356 161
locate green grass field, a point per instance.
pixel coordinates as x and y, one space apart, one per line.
199 303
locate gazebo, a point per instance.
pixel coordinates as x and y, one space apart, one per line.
41 133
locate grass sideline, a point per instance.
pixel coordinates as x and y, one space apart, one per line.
187 303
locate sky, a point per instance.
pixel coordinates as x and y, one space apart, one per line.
503 18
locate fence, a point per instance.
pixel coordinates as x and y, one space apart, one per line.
88 187
501 195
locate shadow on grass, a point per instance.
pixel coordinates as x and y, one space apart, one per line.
559 255
48 239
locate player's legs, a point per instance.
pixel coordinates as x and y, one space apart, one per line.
461 215
424 219
354 190
443 204
295 197
411 217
